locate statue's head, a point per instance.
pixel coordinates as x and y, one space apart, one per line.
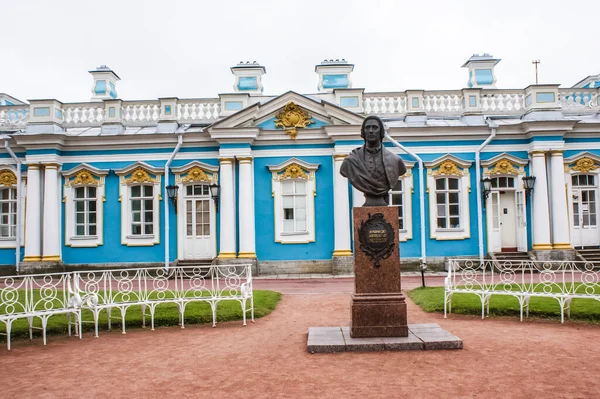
372 129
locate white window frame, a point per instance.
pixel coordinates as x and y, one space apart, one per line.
142 198
12 210
11 242
405 233
84 175
129 177
294 170
453 167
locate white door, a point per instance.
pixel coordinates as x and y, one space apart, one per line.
585 209
521 222
199 237
493 222
508 220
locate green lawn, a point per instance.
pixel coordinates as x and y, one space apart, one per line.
431 299
166 315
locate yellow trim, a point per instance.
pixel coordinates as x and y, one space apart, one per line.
33 167
244 159
342 252
538 247
32 259
227 255
340 156
51 166
556 152
224 161
51 258
562 246
247 255
534 153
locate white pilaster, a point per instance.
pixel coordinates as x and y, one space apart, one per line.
246 209
560 221
539 206
33 226
51 226
227 210
341 210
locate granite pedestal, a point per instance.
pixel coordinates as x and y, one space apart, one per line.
378 306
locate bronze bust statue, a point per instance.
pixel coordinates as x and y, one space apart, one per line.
372 169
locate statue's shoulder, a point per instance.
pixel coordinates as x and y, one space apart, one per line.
355 152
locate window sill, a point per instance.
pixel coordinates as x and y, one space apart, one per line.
140 237
8 238
449 230
303 233
84 238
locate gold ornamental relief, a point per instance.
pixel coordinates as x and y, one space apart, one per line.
196 174
139 175
585 165
293 171
84 177
291 118
7 178
504 167
448 168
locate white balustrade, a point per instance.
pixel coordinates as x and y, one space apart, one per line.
436 103
384 103
14 116
443 102
578 99
141 113
83 114
502 101
198 110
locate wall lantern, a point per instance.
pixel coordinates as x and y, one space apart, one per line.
172 193
487 188
214 193
528 183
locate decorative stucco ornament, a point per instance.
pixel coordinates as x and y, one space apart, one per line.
291 118
503 167
585 165
7 178
140 175
84 177
294 171
448 168
196 174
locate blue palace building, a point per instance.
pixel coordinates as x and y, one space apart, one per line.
251 178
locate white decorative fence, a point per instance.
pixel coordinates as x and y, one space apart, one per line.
562 281
45 295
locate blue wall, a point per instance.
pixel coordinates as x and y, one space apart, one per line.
113 250
266 247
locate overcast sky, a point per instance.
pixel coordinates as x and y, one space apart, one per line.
185 48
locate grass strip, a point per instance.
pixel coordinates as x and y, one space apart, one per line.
431 299
166 314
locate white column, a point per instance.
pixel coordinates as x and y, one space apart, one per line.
33 225
227 209
560 221
246 209
341 210
52 225
539 206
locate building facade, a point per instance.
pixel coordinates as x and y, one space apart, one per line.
246 177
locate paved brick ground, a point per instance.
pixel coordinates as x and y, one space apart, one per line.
502 358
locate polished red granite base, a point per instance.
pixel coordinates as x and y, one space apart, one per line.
378 306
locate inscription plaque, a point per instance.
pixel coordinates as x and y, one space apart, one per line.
376 237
